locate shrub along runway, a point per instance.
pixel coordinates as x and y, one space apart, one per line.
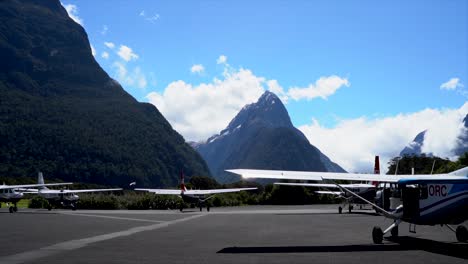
257 234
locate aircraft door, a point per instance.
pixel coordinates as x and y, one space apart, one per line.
410 196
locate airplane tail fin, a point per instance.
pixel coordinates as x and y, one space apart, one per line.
376 169
460 172
377 165
182 182
40 180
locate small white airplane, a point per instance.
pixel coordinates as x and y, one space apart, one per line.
11 193
193 196
433 199
365 190
63 198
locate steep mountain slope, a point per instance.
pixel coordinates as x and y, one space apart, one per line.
415 147
61 113
262 136
462 144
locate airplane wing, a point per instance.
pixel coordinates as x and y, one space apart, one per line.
194 192
160 191
318 176
325 185
329 192
26 186
76 191
215 191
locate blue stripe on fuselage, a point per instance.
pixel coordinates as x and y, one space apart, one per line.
443 201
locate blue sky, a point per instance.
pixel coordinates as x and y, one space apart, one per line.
377 59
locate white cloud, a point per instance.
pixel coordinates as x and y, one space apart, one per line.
197 68
104 30
105 55
93 50
152 18
221 59
200 111
110 45
134 78
354 143
72 11
323 87
126 53
276 88
451 84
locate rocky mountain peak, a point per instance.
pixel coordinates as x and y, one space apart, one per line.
268 110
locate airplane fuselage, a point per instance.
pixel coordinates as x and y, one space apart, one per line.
434 202
10 195
193 198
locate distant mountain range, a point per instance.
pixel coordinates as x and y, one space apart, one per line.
261 136
62 114
415 147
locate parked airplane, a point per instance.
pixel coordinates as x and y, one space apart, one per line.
64 198
365 190
10 193
193 196
437 199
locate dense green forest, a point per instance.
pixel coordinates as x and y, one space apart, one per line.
268 194
61 114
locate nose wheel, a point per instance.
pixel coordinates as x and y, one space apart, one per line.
13 209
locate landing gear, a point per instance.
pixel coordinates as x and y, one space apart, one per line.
73 206
394 232
49 207
201 208
350 208
340 210
462 233
377 235
13 208
208 208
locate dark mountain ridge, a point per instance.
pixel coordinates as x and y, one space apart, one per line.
62 114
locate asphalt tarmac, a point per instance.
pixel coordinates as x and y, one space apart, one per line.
253 234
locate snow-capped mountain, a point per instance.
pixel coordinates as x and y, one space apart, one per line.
262 136
415 147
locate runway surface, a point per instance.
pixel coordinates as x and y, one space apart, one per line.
253 234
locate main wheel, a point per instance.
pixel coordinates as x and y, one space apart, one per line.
15 209
462 233
394 232
10 209
207 208
377 235
340 210
350 208
201 208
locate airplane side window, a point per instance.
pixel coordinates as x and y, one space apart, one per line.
423 191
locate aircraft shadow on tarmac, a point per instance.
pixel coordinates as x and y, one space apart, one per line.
334 213
458 250
31 212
